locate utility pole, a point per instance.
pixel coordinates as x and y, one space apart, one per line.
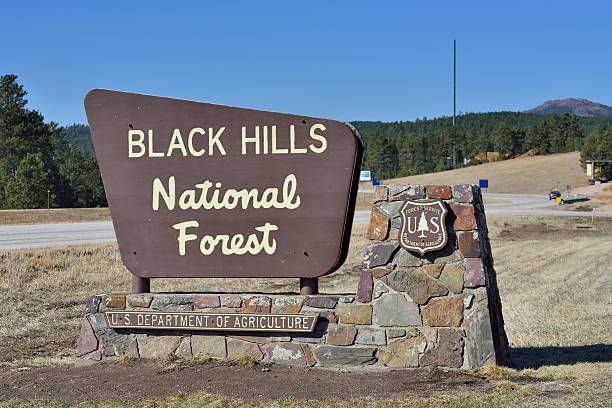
48 199
454 102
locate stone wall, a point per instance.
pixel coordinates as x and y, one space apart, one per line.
441 309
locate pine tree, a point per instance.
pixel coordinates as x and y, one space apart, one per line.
502 138
598 146
29 187
422 225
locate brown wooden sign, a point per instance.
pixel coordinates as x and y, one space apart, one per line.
211 321
423 226
203 190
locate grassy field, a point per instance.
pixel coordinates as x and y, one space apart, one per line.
58 215
528 175
555 281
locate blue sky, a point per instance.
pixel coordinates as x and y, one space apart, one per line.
356 60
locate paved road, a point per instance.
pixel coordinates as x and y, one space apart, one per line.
43 235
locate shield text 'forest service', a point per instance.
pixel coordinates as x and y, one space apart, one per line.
203 190
423 227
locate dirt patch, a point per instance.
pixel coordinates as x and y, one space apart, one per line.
135 380
547 229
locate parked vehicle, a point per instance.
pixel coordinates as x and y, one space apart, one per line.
554 194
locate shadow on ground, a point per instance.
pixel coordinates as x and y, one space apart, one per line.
535 357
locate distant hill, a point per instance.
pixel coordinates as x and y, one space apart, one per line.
78 136
576 106
524 175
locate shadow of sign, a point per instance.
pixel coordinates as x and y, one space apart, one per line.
536 357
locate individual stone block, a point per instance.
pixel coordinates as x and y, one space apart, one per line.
284 353
395 189
465 219
416 284
378 229
206 301
479 349
287 304
432 270
315 338
184 348
238 349
447 353
469 244
333 355
308 355
256 304
346 299
157 346
207 345
405 259
452 277
395 333
322 302
403 353
379 254
114 301
439 192
393 309
444 311
139 300
413 193
390 209
172 303
98 321
474 272
365 287
87 341
462 193
341 335
374 337
231 301
93 304
380 271
381 193
356 313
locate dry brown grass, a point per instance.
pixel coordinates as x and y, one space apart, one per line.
56 215
526 175
44 290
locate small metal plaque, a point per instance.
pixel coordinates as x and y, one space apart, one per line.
211 321
423 227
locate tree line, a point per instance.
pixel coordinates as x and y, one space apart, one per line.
38 167
401 149
43 164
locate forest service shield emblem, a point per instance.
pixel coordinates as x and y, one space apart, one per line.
423 227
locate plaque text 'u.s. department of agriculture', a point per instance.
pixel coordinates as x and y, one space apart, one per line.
211 321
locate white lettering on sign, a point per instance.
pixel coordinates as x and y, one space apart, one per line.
209 195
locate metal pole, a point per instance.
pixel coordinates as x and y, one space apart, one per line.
141 285
454 102
48 199
309 286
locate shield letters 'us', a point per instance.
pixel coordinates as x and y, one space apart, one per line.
423 226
